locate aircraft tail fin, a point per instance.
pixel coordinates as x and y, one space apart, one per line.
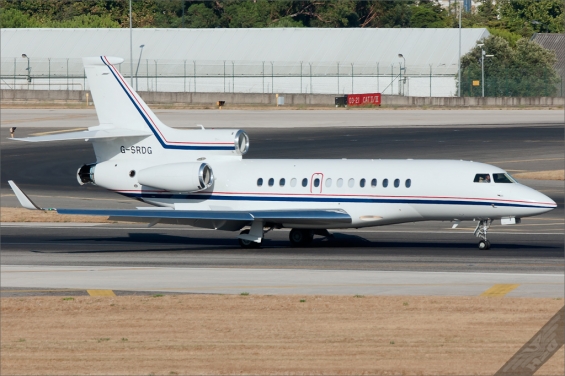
117 104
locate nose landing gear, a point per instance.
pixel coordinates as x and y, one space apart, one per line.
481 232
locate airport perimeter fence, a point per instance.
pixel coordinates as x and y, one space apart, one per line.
267 77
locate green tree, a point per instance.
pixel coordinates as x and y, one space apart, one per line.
428 14
526 70
526 17
14 18
86 21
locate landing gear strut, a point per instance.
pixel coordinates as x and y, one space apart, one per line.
481 232
300 237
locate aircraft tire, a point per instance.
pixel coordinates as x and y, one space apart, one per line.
247 243
300 237
484 245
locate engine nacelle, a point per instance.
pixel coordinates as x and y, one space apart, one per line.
85 174
178 177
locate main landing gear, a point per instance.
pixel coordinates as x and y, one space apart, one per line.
300 237
481 232
244 243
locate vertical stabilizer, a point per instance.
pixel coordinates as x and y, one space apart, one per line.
117 104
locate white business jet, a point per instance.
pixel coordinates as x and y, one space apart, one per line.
199 178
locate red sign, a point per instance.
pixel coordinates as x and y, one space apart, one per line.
361 99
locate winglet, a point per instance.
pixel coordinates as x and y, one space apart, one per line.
22 197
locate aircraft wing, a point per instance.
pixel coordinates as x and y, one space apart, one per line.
297 216
226 219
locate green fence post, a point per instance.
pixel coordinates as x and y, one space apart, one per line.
352 90
378 78
430 80
338 77
300 76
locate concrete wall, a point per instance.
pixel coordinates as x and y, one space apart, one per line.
151 97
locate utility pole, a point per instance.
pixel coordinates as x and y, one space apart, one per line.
459 56
130 48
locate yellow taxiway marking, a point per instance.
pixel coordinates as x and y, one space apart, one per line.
53 132
499 290
100 292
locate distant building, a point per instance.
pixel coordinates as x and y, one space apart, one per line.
271 60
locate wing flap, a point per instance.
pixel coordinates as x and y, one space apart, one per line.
275 216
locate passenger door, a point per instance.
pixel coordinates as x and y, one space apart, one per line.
316 182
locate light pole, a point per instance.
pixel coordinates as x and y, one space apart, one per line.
483 55
28 69
130 48
138 61
459 56
401 69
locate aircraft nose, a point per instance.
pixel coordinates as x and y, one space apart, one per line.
546 203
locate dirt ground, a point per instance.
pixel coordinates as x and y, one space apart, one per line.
541 175
26 215
227 334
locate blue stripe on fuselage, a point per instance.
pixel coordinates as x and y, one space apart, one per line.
201 197
157 135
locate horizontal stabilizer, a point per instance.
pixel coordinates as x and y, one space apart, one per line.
88 135
278 216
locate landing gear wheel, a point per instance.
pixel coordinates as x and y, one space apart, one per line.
484 244
247 243
300 237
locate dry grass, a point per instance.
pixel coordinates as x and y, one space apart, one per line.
214 334
541 175
25 215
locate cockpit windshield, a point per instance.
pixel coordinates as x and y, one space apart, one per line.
482 178
503 178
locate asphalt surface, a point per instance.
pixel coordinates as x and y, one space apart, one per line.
47 173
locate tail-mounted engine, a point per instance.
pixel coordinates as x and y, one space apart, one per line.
85 174
178 177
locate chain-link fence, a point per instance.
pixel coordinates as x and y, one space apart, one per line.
256 77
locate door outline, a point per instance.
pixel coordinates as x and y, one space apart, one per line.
320 176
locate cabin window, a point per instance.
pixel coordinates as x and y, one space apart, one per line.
502 178
282 182
271 182
304 182
362 183
385 183
259 182
396 183
408 183
293 182
351 183
374 183
339 183
482 178
329 182
316 182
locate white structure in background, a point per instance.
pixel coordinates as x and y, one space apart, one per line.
275 60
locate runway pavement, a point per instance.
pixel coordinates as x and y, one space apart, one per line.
280 118
518 143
